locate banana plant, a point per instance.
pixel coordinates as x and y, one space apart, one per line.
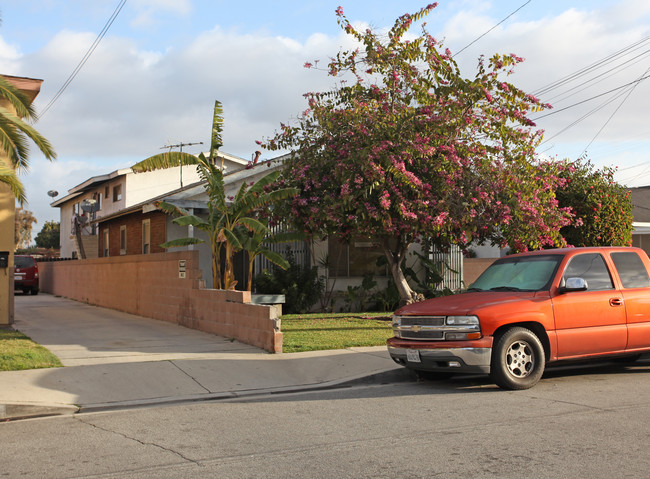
224 217
256 244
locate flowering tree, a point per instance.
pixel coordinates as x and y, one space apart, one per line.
603 208
414 150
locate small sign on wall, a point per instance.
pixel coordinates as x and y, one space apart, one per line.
181 269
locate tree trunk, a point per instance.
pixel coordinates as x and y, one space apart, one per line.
251 262
216 265
229 273
395 258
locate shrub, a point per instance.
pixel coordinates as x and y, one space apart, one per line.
300 284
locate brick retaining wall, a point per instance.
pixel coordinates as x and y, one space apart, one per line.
149 285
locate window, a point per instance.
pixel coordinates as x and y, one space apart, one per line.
123 239
146 236
99 202
631 270
355 259
592 268
75 209
117 193
106 243
106 192
531 273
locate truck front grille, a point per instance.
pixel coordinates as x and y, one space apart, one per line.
423 320
423 334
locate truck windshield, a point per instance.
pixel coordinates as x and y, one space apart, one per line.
529 273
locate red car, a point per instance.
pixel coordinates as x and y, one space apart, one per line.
25 274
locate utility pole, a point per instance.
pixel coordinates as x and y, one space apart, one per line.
180 145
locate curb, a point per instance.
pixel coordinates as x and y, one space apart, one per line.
18 412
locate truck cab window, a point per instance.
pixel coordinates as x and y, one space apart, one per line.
592 268
631 270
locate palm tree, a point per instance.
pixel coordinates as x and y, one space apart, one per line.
9 178
225 219
14 133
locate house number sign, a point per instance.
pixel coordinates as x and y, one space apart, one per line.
181 269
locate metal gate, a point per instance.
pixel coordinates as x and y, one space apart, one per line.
450 264
298 250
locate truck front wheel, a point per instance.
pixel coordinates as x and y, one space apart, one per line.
517 359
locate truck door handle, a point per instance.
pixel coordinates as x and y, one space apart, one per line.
616 302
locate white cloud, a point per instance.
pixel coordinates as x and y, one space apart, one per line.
128 102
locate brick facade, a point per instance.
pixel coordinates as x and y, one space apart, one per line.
133 223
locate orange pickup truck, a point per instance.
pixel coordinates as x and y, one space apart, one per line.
531 309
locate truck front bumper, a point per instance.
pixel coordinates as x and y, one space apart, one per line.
453 357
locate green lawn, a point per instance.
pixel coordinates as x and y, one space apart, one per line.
314 332
18 352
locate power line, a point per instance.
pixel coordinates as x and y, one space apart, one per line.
85 58
593 97
585 116
631 90
583 71
601 77
481 36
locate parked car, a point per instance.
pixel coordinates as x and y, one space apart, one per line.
531 309
25 274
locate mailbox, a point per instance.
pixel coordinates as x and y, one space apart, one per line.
4 259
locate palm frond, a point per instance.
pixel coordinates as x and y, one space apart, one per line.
171 209
217 128
232 238
274 257
13 141
18 99
13 144
9 178
253 224
191 220
181 242
165 160
252 202
39 140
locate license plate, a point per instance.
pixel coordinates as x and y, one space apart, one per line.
19 276
413 355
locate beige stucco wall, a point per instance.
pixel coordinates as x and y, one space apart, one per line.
31 88
7 218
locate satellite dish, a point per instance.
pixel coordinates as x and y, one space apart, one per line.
53 193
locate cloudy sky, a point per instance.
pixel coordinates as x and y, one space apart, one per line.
153 78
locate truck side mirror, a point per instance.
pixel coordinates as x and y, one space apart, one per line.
573 284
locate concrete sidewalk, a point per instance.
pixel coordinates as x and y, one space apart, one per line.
114 359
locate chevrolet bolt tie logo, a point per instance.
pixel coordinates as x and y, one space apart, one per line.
416 329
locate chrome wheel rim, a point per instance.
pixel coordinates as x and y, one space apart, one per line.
520 359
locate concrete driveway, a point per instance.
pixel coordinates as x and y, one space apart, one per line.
80 334
114 359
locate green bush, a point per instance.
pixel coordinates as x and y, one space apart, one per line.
300 284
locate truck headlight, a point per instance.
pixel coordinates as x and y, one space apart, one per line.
397 322
462 321
467 327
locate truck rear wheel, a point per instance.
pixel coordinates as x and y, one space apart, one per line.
518 359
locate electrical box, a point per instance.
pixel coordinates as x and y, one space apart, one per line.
4 259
